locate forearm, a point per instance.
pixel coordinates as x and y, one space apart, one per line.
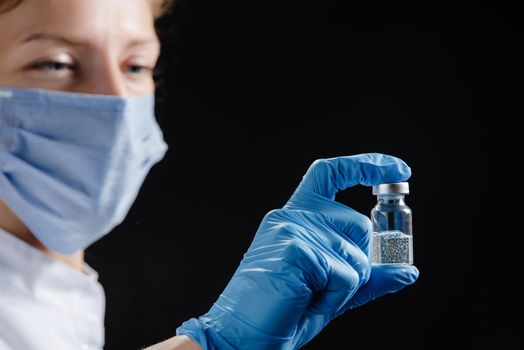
180 342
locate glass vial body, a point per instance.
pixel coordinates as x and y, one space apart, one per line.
392 225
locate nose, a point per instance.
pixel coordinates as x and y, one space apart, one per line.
105 78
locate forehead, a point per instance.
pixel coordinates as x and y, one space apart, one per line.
91 20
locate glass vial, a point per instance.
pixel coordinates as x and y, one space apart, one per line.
392 226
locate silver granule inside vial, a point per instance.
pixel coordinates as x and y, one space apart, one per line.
392 247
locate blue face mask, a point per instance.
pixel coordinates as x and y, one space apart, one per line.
72 164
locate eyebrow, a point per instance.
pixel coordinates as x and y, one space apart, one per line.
51 37
77 41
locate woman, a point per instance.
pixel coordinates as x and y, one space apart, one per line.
77 138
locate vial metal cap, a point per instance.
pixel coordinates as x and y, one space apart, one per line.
391 188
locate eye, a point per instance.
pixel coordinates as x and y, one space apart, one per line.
52 66
139 69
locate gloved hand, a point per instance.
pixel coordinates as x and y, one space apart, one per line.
308 263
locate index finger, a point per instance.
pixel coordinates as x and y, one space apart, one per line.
327 176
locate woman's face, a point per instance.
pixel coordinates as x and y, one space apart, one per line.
90 46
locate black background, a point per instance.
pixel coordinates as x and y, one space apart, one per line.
253 91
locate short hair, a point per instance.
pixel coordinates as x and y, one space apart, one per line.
160 7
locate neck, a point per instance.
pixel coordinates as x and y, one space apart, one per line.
13 225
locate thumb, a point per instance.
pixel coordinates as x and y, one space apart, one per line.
384 279
327 176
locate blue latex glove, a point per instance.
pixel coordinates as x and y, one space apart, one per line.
308 263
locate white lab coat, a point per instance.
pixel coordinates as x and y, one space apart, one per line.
44 304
